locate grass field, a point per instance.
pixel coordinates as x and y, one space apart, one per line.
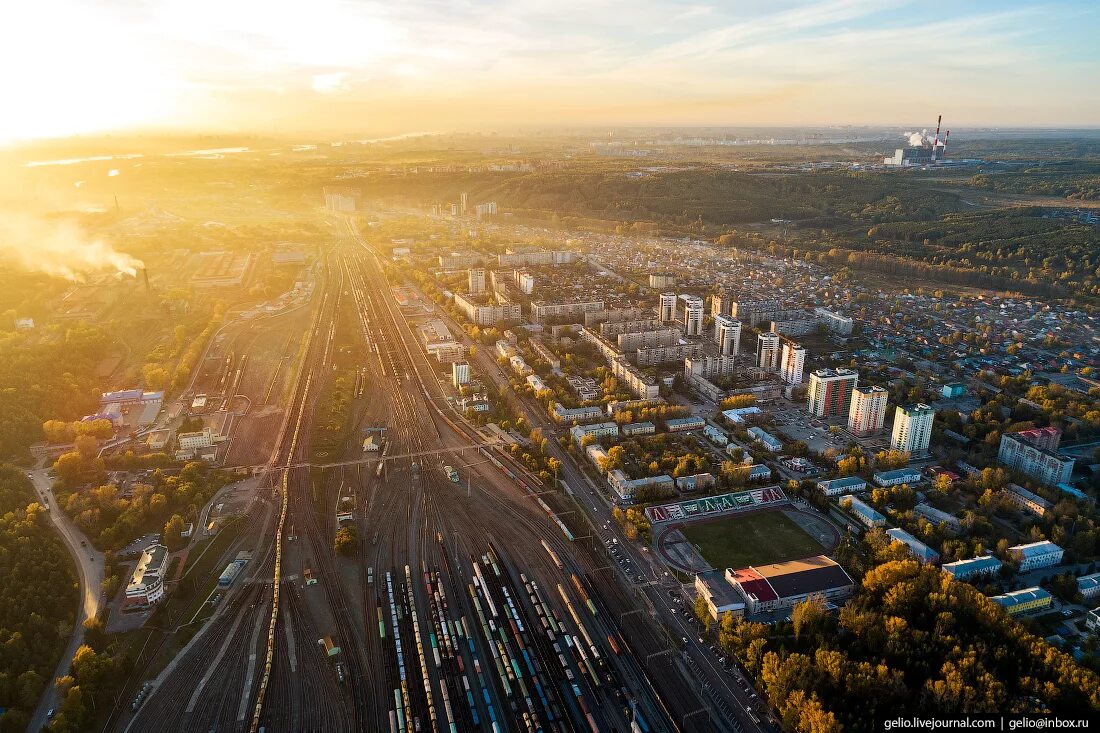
754 539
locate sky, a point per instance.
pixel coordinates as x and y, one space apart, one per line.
394 66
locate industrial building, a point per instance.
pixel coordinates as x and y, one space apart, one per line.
784 585
920 151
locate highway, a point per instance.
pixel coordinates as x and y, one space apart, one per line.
89 566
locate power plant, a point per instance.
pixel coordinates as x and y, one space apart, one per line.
922 150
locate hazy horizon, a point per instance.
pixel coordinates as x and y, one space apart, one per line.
339 65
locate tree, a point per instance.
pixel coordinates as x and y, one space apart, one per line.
808 616
346 541
173 533
58 431
702 611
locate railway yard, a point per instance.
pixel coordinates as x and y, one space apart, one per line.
468 605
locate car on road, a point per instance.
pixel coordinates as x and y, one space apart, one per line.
84 543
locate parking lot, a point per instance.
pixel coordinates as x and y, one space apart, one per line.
793 422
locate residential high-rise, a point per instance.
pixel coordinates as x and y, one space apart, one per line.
830 391
767 351
460 373
792 363
1034 452
463 199
668 307
693 315
867 412
719 304
727 334
912 428
476 278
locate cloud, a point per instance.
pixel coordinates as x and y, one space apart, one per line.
337 81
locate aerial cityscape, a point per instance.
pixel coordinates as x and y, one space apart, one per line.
552 402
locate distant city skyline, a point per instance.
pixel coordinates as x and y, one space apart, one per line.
344 65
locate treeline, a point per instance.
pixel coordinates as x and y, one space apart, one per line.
50 377
37 601
707 194
910 641
1043 182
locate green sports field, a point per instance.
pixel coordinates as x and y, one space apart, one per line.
753 539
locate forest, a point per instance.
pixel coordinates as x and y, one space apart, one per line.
40 597
46 378
910 641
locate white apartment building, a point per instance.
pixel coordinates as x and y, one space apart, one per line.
867 412
460 373
912 429
667 308
727 334
793 362
1036 555
767 351
693 315
475 277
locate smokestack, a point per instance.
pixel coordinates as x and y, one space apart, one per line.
945 143
936 139
145 276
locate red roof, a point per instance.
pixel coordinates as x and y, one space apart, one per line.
754 584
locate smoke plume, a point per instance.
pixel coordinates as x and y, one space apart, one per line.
917 139
59 248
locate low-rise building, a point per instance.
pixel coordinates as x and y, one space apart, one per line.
598 430
625 487
565 414
638 428
719 595
716 435
896 477
783 585
146 586
740 415
1024 601
769 441
918 549
1027 501
937 517
695 482
839 486
683 424
975 567
1089 586
1035 555
1092 620
864 512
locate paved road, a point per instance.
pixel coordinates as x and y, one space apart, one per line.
89 564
